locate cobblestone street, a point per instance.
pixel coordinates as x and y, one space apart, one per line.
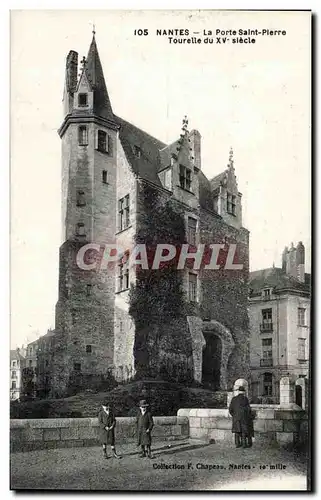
182 466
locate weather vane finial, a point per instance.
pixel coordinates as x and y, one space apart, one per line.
94 30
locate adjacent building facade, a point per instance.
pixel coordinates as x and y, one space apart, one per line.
16 367
123 187
279 311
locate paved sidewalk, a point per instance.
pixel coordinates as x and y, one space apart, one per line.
182 466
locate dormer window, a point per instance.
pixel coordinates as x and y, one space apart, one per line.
231 204
82 100
185 178
266 293
137 152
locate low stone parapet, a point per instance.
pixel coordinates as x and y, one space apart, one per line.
35 434
271 424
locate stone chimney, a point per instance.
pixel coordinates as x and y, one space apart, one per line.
293 261
300 261
195 146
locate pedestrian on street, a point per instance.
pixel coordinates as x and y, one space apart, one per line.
145 425
107 423
242 419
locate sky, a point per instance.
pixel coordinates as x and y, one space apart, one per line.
254 97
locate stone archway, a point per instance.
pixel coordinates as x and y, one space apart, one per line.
198 328
211 361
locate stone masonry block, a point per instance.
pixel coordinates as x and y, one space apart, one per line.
217 423
162 431
291 426
33 434
274 425
220 435
51 435
198 433
51 444
259 425
176 430
265 413
285 437
183 412
87 433
69 433
194 422
165 421
182 421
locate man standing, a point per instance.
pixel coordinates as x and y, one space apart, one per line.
107 423
242 423
145 425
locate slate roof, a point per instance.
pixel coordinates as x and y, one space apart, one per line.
155 154
217 180
95 74
276 278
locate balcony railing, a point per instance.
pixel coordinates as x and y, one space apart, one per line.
266 362
266 327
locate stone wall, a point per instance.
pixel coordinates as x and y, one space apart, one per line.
271 424
36 434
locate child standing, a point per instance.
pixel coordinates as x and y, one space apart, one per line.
145 425
107 423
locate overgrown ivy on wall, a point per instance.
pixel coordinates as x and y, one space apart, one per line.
157 299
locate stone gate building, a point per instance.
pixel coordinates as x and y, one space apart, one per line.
122 186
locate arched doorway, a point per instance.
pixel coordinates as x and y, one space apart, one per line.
211 362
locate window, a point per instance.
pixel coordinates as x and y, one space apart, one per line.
266 293
266 325
123 276
267 348
231 204
192 287
88 349
47 362
13 384
81 199
137 151
102 141
191 230
13 363
185 178
13 374
77 367
301 316
80 229
123 212
82 136
104 176
121 326
267 384
168 179
88 290
82 100
301 349
267 316
30 363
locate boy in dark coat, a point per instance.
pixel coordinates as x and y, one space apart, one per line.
145 425
242 423
107 423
